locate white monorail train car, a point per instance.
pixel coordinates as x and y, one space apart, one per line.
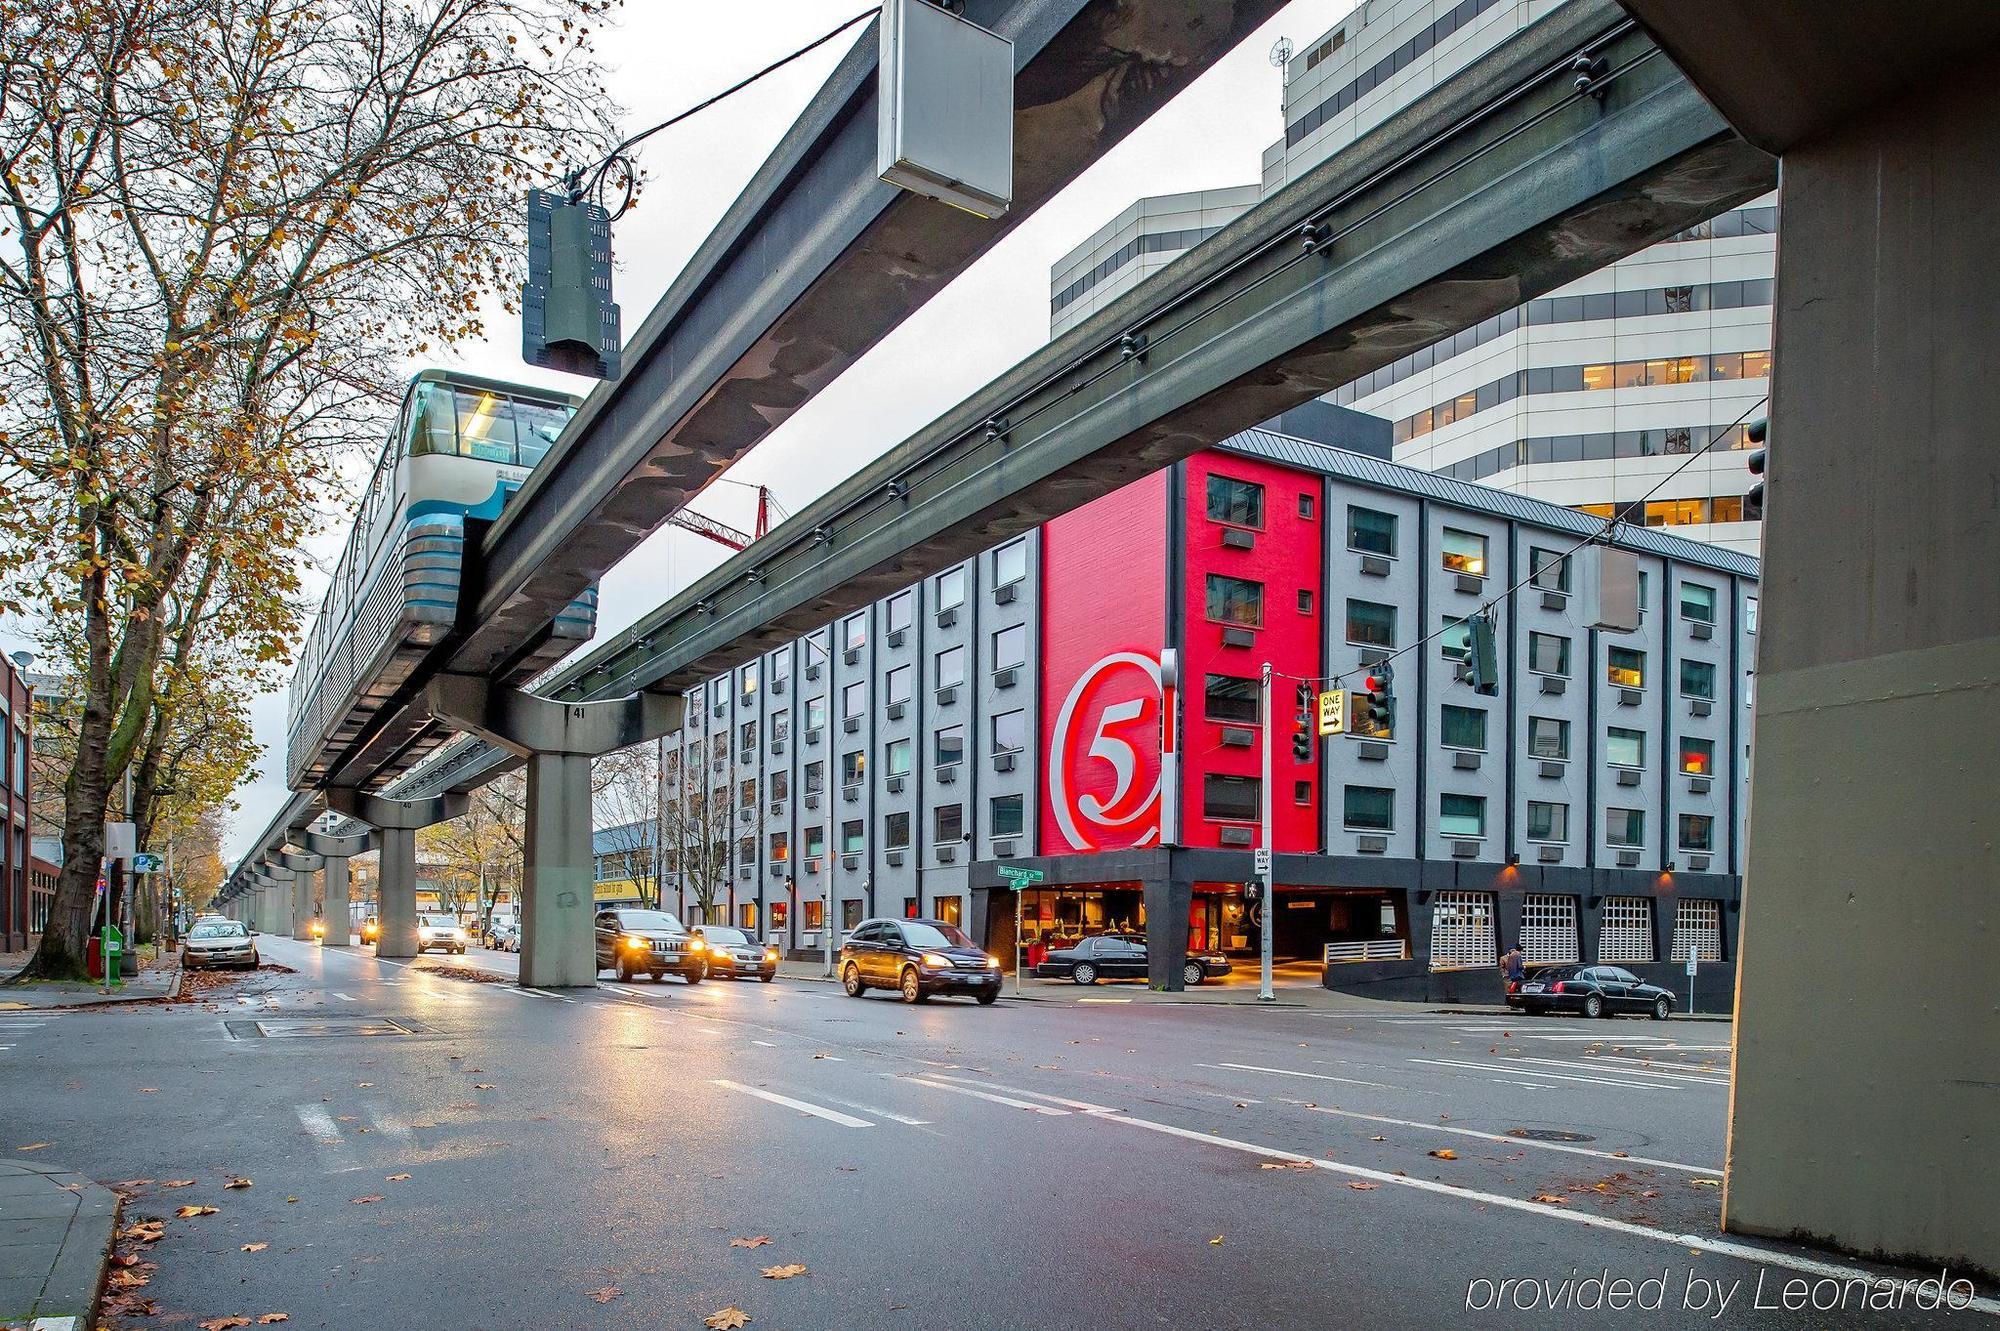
461 447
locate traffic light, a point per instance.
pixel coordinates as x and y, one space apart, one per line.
1482 657
1380 688
1753 503
1304 723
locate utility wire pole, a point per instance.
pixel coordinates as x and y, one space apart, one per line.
1265 864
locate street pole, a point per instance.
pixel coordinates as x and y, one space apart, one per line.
826 922
1019 892
1269 875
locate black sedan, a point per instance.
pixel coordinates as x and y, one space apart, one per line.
917 958
1122 957
732 952
1594 991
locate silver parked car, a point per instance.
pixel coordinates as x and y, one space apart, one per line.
219 943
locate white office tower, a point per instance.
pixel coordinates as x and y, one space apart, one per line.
1134 245
1586 397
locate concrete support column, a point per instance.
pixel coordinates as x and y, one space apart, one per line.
1169 896
302 868
277 900
1867 1033
396 823
336 851
558 908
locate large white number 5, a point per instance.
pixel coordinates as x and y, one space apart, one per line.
1124 762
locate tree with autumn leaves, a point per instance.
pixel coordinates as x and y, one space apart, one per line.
226 229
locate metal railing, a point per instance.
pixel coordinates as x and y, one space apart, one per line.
1368 949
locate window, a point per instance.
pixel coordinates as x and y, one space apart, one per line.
746 794
781 727
1231 798
949 910
1548 738
780 782
853 835
1238 503
746 737
1010 562
1007 814
896 831
1626 668
1306 507
1698 756
1548 822
1455 641
1010 646
1371 624
1230 698
896 685
815 713
1371 532
948 822
1302 792
746 851
948 746
1548 929
1464 728
1368 809
1548 569
1010 732
1235 600
1305 601
815 842
1697 831
896 757
853 768
815 777
1625 748
718 692
951 588
1697 679
854 632
1625 827
950 667
1548 654
1697 929
1697 603
1625 930
750 681
1749 614
854 699
813 914
1462 815
781 847
1462 930
1464 552
898 612
850 913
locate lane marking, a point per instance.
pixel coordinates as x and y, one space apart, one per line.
1719 1247
386 1125
765 1043
332 1143
1103 1000
976 1094
345 998
1081 1106
1287 1072
803 1106
1505 1140
543 993
879 1112
1550 1076
1619 1070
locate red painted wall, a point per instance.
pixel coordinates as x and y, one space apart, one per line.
1103 625
1286 559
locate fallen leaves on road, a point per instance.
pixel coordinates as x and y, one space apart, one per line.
785 1272
224 1323
1215 1242
178 1183
1362 1186
363 1085
1551 1199
1445 1153
1708 1183
755 1241
726 1319
398 1178
124 1259
364 1201
1378 1139
237 1183
1284 1164
255 1247
123 1279
189 1212
482 1086
268 1318
146 1231
133 1183
605 1295
35 1146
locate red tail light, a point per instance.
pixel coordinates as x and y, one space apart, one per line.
1558 987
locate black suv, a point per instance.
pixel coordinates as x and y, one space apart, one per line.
917 958
631 941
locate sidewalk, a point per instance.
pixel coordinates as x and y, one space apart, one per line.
55 1240
158 978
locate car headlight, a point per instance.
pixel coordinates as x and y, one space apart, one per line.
770 954
633 940
937 961
697 945
992 963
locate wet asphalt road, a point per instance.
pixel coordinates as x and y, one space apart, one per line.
584 1160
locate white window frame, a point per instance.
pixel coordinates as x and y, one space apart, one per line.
1625 930
1548 930
1462 932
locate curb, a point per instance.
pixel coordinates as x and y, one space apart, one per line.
1516 1012
75 1281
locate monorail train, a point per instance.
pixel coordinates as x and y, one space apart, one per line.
461 447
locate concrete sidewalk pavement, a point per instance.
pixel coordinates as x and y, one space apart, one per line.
159 978
56 1230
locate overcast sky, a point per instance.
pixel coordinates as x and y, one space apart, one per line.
667 56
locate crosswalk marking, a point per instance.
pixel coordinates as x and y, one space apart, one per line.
332 1142
977 1094
345 998
1543 1075
1505 1140
803 1106
1287 1072
1625 1068
1081 1106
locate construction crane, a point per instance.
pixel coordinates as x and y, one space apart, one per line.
721 532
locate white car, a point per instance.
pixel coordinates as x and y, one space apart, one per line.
441 932
219 943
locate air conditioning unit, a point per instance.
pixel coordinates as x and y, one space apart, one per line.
897 636
1236 836
1465 850
1235 636
1550 854
947 854
897 710
1005 677
812 735
947 616
1375 566
812 799
1004 849
850 724
852 794
812 671
852 655
1003 762
1628 777
894 785
1235 538
947 774
812 863
893 858
1004 595
1465 762
850 861
947 695
1630 697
